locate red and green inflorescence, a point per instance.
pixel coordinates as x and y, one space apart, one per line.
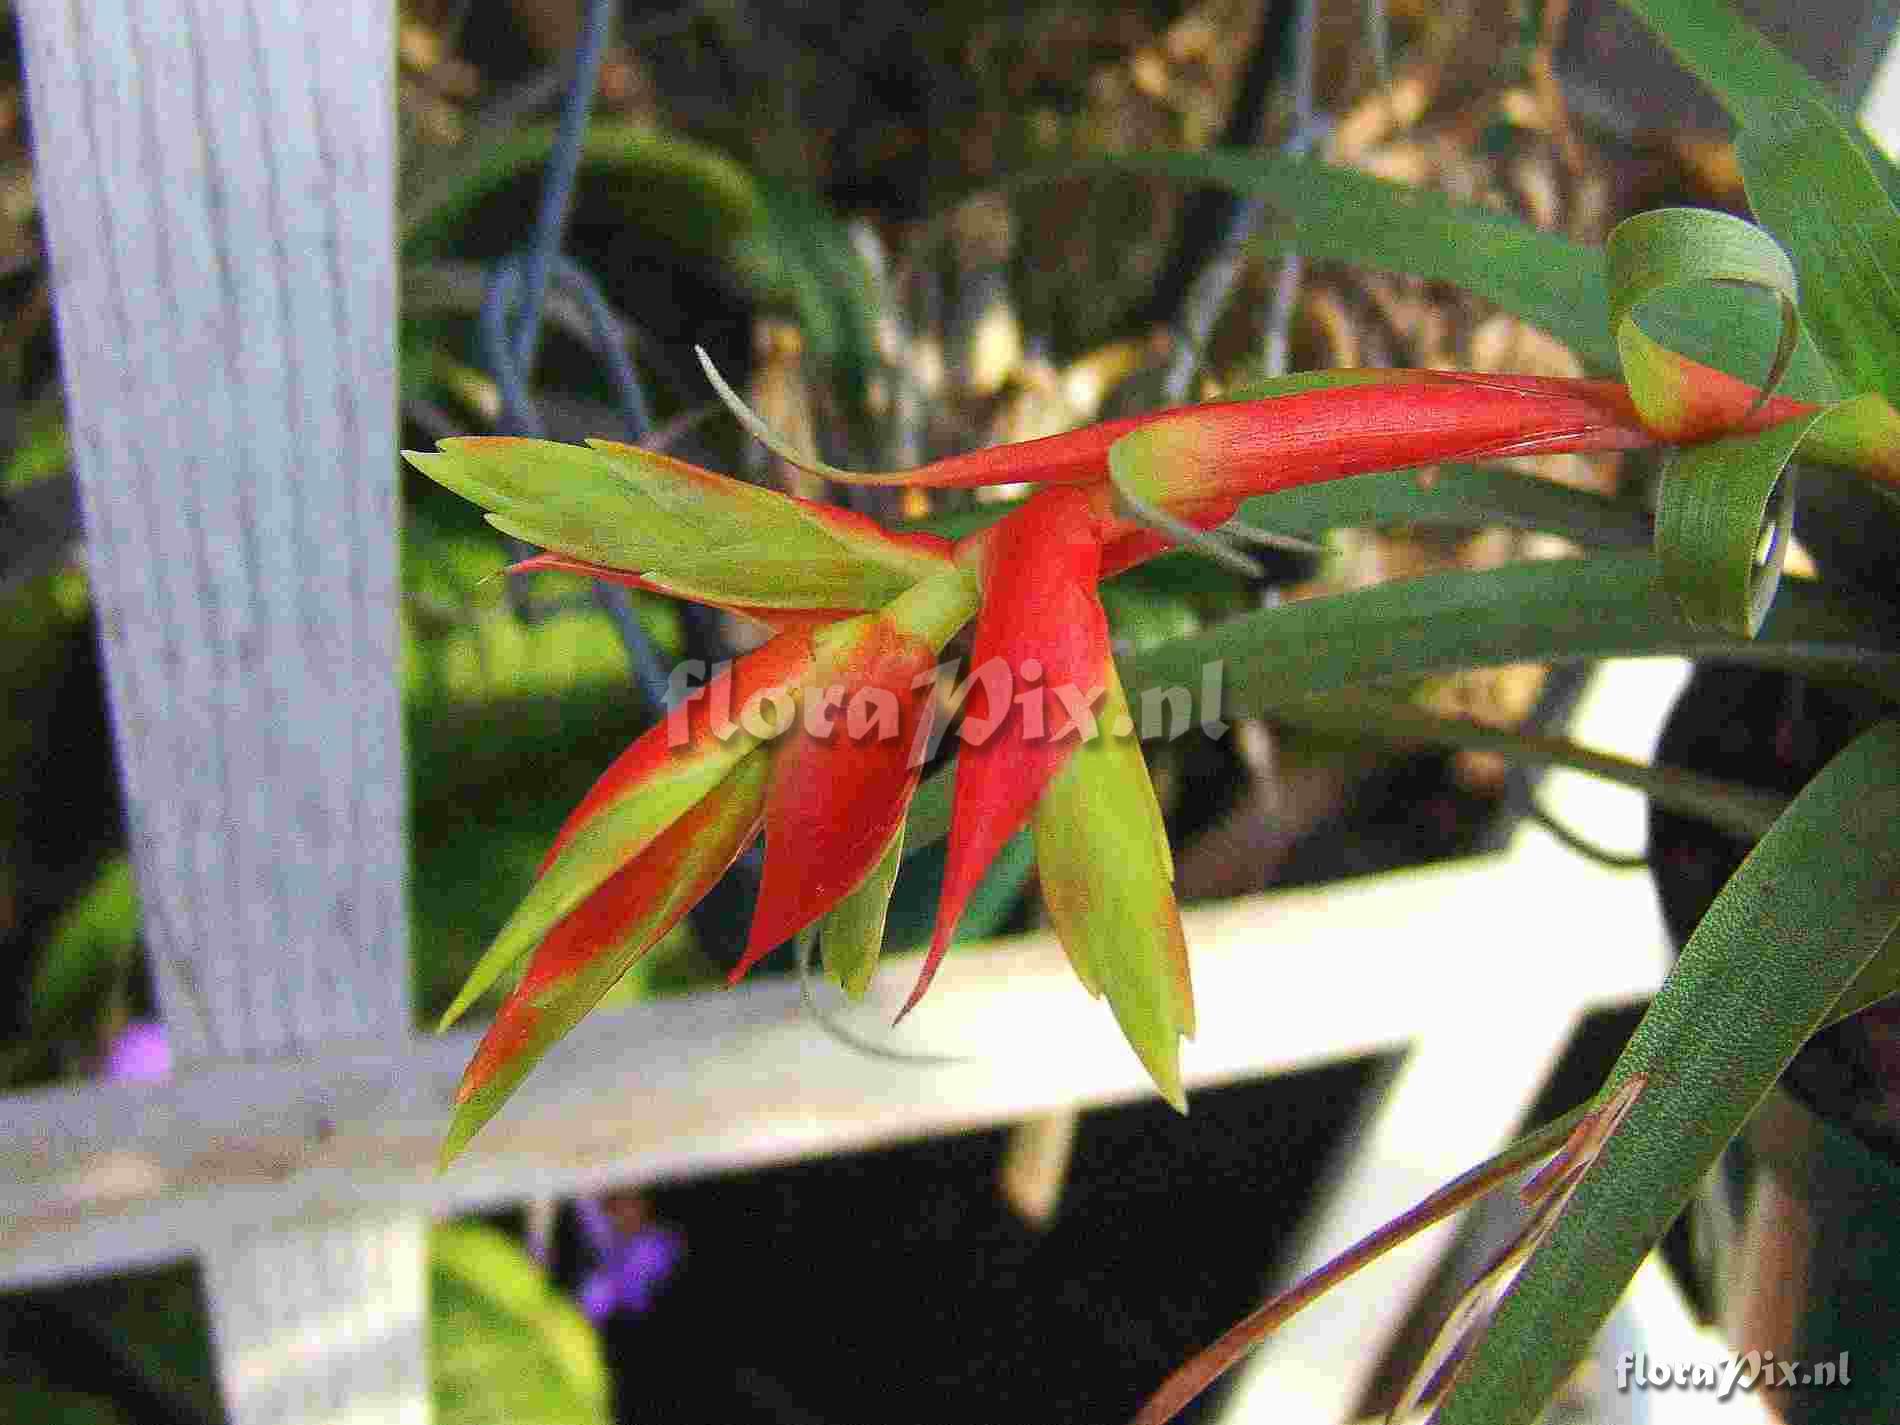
775 745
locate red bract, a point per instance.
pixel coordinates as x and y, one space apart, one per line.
841 782
582 957
1684 402
1200 462
1038 570
709 719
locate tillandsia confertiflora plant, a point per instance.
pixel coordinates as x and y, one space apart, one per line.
814 739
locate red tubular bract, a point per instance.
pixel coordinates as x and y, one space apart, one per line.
1039 571
838 795
782 662
681 865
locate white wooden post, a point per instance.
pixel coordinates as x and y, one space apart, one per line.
216 178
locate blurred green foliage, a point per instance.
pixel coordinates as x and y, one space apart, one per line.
509 721
42 450
43 1405
505 1344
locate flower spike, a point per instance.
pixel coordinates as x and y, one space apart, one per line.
666 820
859 614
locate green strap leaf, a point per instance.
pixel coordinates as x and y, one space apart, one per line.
1462 495
1608 606
693 195
784 242
1880 978
1338 215
1795 927
1742 811
802 254
1814 190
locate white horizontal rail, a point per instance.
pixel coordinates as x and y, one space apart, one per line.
97 1177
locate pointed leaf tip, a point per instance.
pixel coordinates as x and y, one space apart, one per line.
584 955
652 785
851 937
1107 880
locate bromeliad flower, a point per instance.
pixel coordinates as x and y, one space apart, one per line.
812 739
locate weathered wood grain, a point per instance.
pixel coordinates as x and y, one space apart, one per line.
216 182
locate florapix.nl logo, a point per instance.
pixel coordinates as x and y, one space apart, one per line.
862 713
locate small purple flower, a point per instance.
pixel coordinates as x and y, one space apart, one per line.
633 1265
139 1053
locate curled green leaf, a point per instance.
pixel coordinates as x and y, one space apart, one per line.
1725 512
1724 517
1654 253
